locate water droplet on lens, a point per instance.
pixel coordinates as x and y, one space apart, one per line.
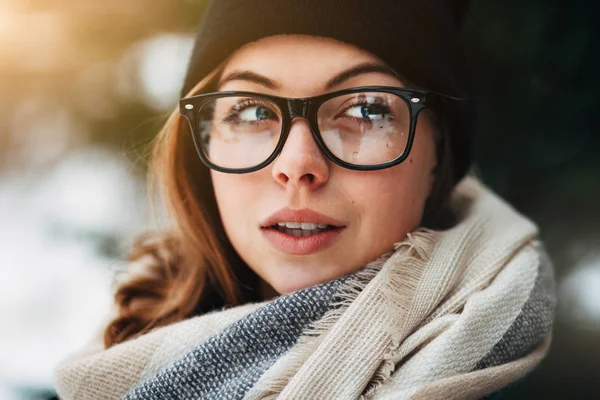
355 154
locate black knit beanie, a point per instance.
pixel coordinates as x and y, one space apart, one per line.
418 39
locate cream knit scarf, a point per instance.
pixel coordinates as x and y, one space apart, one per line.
451 314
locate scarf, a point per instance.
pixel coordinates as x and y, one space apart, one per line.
456 313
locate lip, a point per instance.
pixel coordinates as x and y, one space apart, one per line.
303 245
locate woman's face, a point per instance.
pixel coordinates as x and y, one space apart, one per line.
370 210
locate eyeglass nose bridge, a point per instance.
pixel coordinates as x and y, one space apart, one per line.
298 108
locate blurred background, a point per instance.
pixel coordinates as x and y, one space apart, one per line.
85 85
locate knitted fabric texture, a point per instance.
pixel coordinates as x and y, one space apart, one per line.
450 314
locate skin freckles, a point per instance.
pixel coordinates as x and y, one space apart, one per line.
378 208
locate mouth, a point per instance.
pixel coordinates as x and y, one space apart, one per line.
301 232
302 229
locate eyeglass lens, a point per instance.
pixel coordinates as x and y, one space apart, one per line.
364 128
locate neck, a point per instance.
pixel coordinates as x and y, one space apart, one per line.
266 291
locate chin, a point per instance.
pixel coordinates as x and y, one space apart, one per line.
288 280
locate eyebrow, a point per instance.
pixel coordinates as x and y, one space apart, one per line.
365 68
337 80
250 76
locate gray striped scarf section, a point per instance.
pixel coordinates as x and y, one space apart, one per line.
230 362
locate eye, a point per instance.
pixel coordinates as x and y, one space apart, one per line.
368 111
251 112
256 113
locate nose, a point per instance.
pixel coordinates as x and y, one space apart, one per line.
301 162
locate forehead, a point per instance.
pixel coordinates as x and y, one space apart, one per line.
294 60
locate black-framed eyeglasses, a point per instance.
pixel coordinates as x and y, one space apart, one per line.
362 128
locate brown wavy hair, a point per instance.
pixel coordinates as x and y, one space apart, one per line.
192 268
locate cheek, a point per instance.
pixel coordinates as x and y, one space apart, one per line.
404 188
232 192
393 192
389 203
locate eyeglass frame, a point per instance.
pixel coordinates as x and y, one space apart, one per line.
307 108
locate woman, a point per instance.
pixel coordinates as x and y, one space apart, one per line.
328 241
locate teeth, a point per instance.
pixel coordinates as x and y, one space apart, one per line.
300 229
301 225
